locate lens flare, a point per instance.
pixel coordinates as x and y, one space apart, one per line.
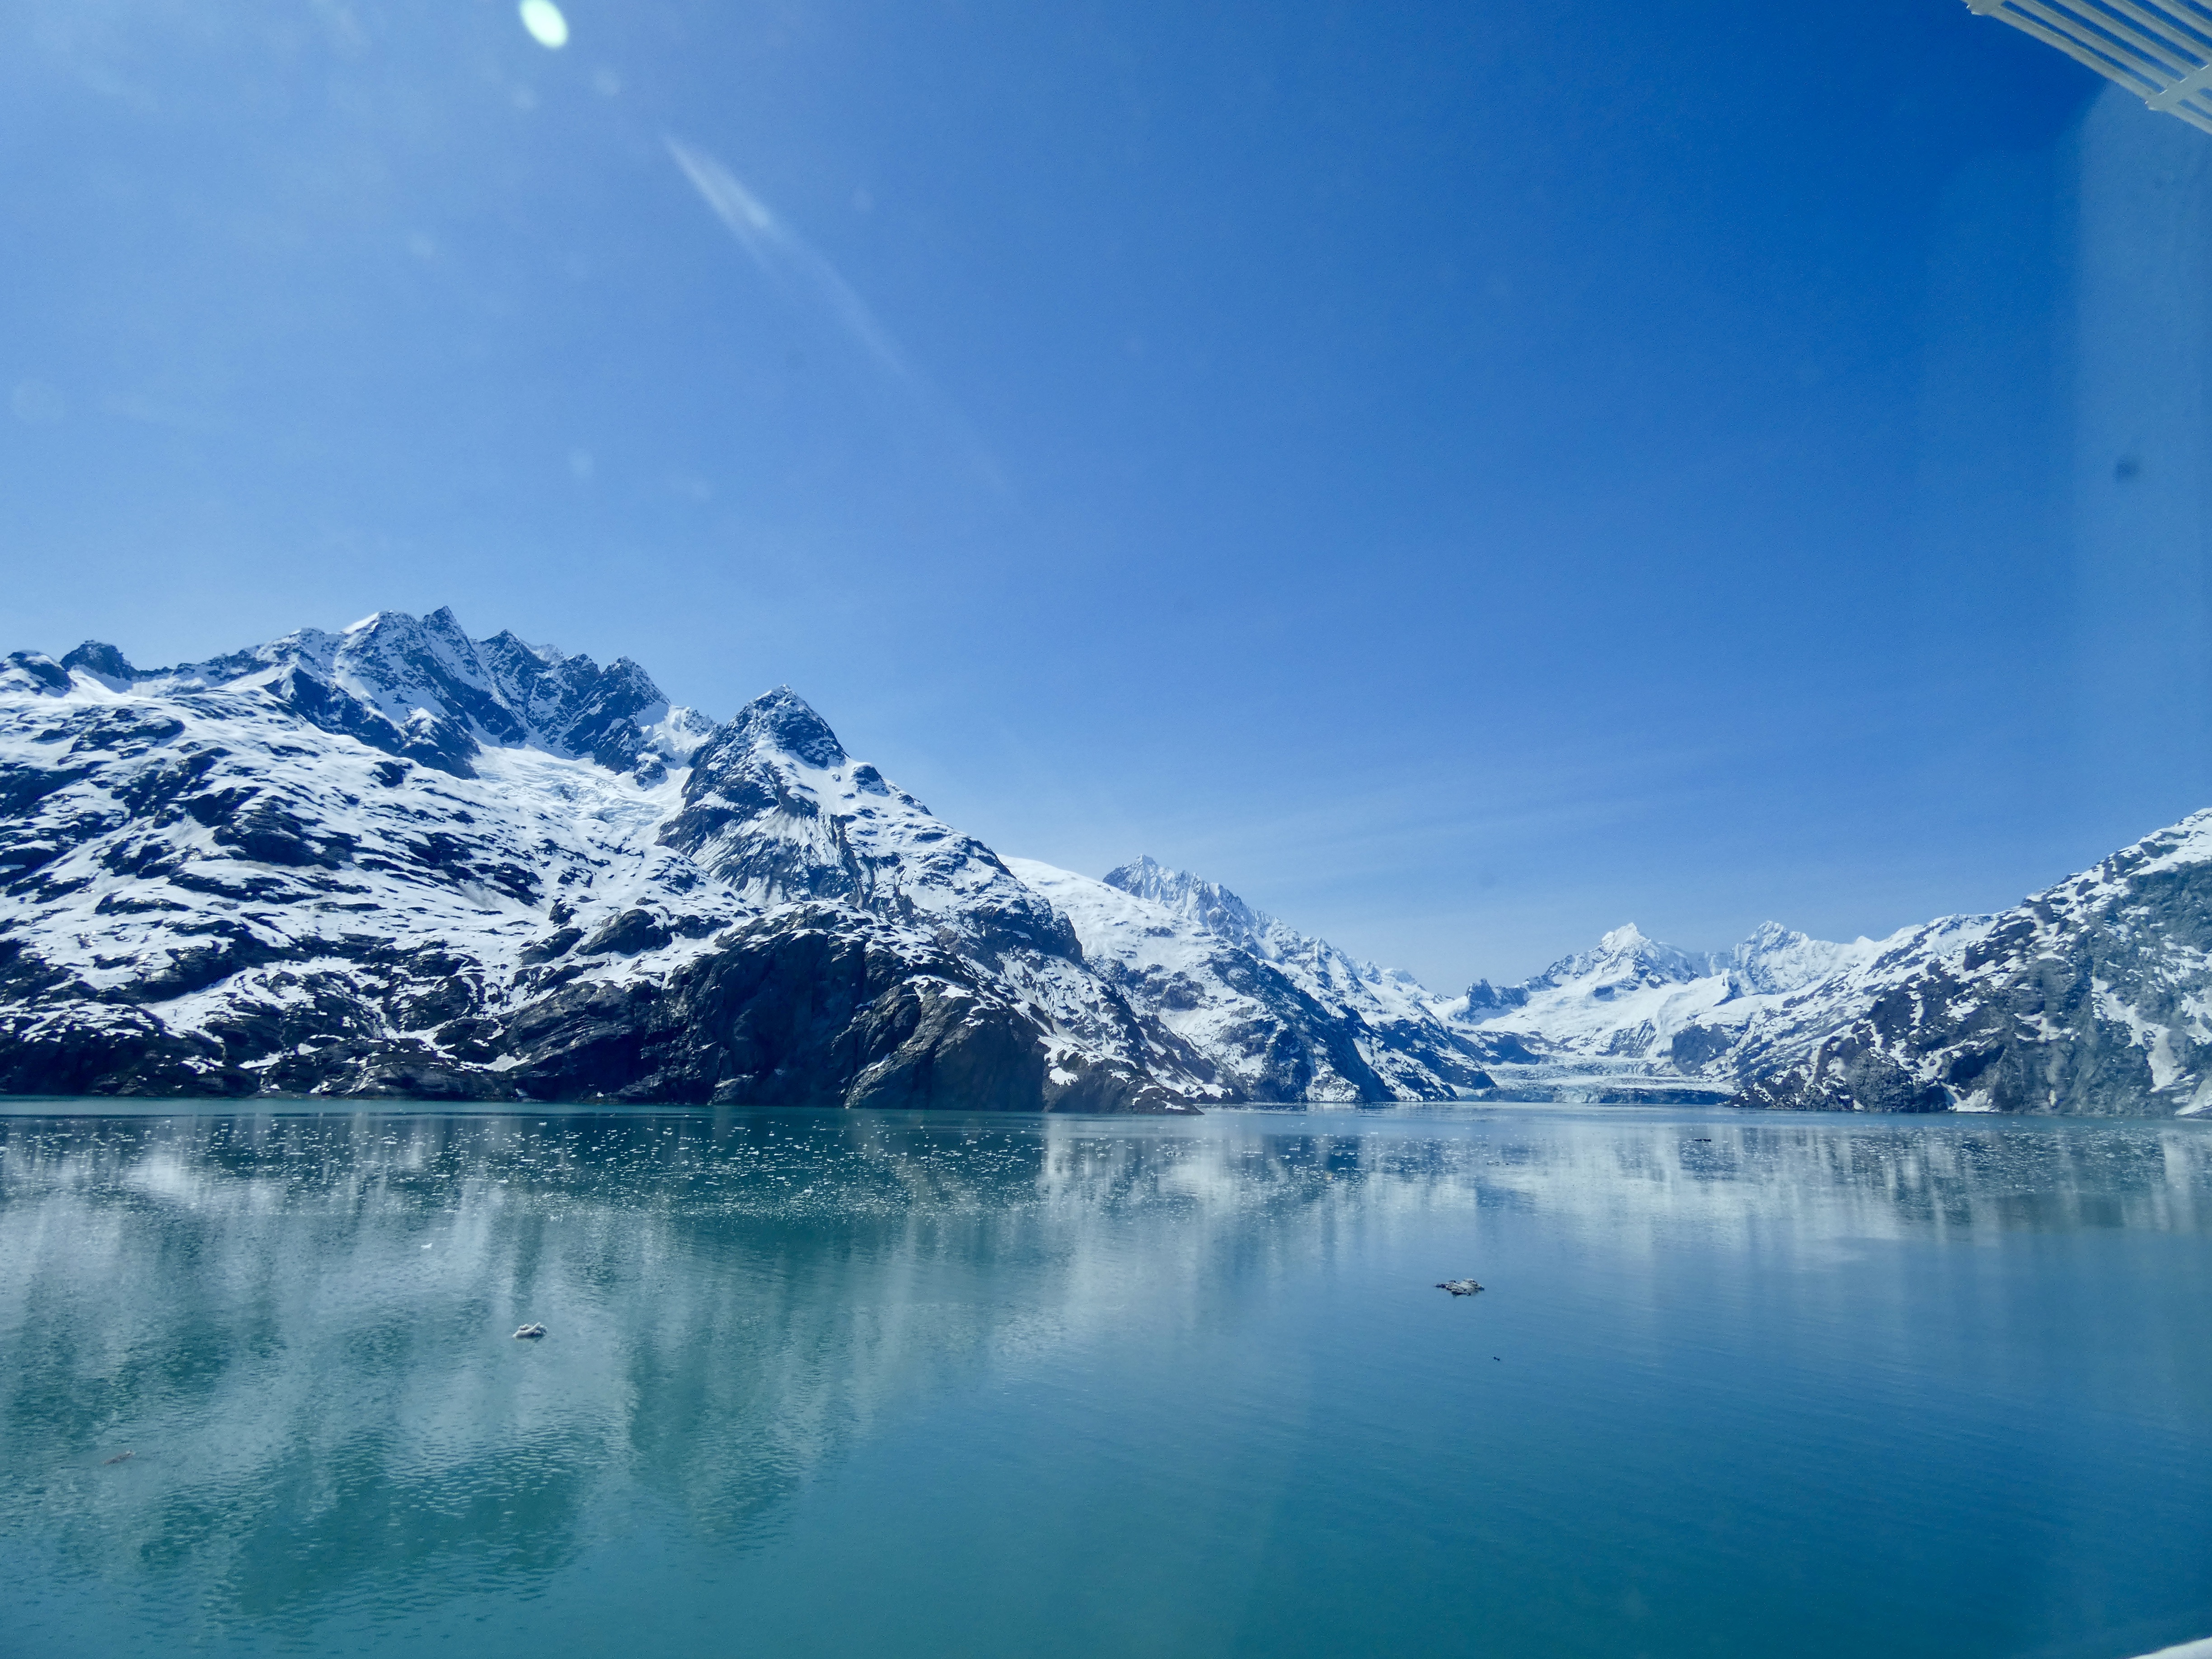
547 26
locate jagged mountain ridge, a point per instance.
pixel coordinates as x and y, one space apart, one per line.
423 689
398 860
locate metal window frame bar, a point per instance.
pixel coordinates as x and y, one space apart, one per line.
2159 50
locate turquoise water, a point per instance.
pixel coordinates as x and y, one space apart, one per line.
829 1383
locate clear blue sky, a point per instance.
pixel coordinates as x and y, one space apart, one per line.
1465 475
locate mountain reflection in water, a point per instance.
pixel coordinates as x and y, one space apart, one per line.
301 1324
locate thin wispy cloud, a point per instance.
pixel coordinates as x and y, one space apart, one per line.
786 257
811 285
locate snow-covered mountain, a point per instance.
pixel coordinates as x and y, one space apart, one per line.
1624 964
398 860
1257 1010
1637 1019
2092 997
425 691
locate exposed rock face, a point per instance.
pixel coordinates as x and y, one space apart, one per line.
397 861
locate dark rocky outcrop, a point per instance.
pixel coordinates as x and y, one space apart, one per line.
808 1008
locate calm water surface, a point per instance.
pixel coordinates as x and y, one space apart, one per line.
828 1383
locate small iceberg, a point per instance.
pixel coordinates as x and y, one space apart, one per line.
1459 1286
531 1332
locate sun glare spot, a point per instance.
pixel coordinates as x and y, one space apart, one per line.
547 26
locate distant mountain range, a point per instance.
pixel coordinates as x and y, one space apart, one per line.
2092 997
397 861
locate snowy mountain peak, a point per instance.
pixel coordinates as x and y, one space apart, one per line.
1584 992
1771 960
34 672
1145 878
104 663
1767 936
1626 957
1205 904
776 808
1774 959
1257 1010
782 720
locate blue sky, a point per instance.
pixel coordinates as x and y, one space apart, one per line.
1463 476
